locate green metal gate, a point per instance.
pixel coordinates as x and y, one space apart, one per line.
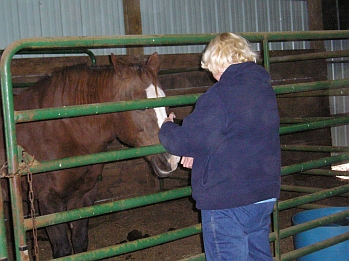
11 118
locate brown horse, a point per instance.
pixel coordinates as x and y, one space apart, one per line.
54 139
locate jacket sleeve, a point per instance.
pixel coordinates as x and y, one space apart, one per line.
199 131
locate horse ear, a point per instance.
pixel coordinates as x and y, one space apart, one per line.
115 61
153 63
116 64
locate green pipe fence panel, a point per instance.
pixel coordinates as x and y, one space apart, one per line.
51 45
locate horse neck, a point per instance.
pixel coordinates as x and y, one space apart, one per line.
79 85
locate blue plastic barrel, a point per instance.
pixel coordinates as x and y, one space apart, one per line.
338 252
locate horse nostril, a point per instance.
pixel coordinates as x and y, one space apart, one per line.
164 159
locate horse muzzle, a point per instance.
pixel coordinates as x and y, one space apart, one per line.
164 164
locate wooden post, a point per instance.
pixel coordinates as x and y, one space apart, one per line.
315 20
133 23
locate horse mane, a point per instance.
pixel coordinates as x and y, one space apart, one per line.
82 84
78 84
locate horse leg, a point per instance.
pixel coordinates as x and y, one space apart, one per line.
57 234
79 228
79 236
59 240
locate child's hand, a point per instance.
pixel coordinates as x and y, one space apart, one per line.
187 162
170 117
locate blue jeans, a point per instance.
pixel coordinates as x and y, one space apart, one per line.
240 233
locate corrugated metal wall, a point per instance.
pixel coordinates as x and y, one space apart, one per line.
207 16
36 18
46 18
339 69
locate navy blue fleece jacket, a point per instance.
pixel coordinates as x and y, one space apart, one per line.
233 136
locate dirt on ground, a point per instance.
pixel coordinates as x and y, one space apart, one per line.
124 226
140 223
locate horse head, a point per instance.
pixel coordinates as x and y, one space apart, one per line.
141 127
55 139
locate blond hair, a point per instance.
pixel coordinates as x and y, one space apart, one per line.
224 50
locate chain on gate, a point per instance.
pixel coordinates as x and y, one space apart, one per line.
32 210
27 162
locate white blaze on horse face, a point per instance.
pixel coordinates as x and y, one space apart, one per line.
160 111
161 115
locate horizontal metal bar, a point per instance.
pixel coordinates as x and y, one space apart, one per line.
62 51
120 249
101 108
338 91
314 247
303 189
199 257
314 125
290 231
110 107
309 56
327 161
319 195
296 35
314 206
93 42
310 86
102 157
110 207
325 172
292 120
99 158
314 148
166 39
299 189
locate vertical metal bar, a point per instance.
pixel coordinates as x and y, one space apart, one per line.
21 248
18 219
3 243
266 55
276 230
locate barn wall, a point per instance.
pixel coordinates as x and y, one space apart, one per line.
22 18
35 18
339 69
206 16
